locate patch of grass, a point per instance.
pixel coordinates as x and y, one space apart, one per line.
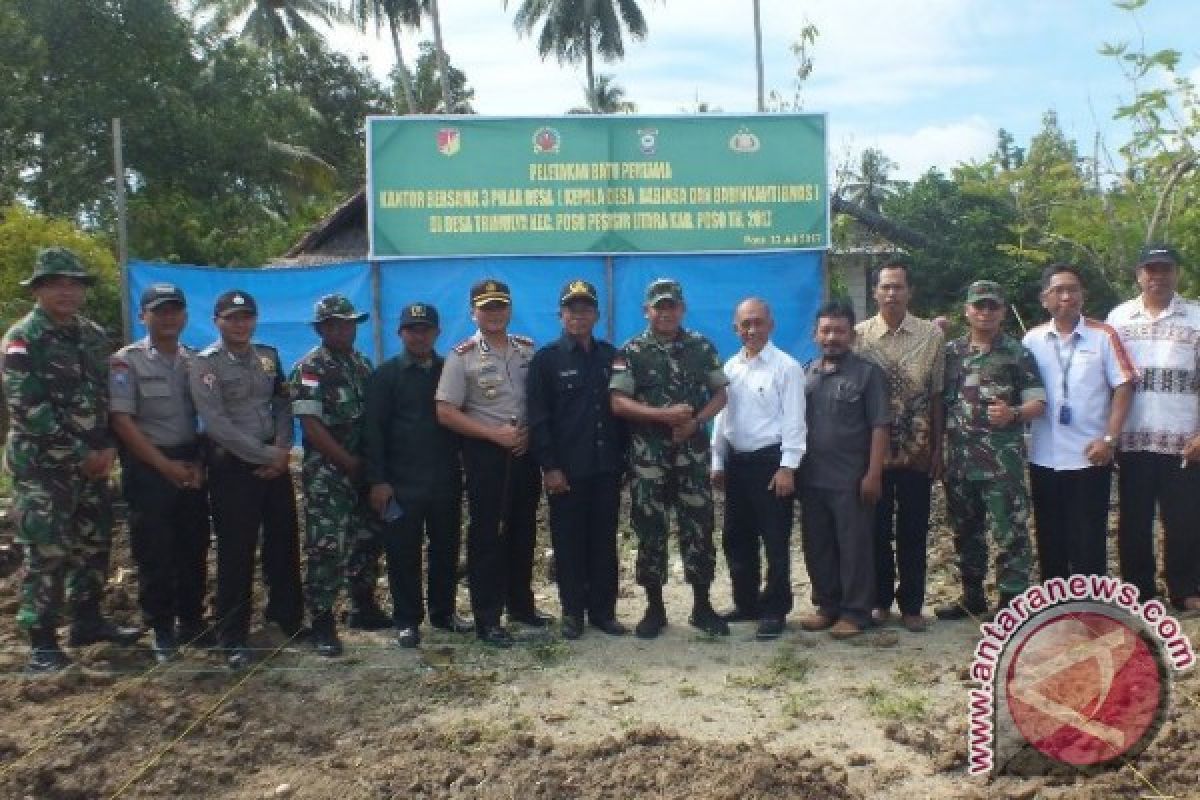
762 680
457 686
784 668
550 653
896 704
687 690
910 674
800 704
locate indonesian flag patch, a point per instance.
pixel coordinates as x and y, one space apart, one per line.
619 364
309 380
16 347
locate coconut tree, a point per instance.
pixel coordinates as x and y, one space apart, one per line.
430 8
870 184
607 98
269 23
578 30
397 14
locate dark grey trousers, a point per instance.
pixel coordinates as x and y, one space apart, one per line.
839 551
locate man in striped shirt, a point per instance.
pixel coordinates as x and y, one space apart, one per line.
1089 384
1160 445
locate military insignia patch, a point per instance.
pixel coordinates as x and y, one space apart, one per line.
309 380
16 347
620 364
268 365
449 141
210 381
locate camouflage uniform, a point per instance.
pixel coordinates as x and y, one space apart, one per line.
985 466
342 533
56 384
668 476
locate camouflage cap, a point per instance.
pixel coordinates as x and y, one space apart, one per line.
337 306
55 261
664 289
985 290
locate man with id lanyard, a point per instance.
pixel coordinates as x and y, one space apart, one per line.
1089 385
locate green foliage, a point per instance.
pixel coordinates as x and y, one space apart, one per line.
427 88
22 234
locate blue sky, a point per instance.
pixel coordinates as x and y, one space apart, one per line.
927 81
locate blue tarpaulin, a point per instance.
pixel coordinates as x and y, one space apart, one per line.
713 284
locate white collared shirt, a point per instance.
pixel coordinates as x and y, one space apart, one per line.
765 407
1166 351
1094 362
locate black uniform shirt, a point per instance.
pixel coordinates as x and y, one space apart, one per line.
842 406
403 442
572 427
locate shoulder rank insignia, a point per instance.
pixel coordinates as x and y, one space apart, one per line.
466 345
524 341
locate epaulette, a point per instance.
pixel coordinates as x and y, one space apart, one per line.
267 347
466 345
521 340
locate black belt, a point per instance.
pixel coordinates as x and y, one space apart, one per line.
771 453
181 451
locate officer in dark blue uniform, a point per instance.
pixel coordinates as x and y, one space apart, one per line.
579 445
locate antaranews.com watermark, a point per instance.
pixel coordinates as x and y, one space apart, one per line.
1074 673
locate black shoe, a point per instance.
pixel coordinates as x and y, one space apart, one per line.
98 629
197 633
769 628
369 618
324 635
707 620
239 658
652 622
45 656
164 645
408 637
531 619
495 635
610 626
737 614
572 626
966 606
453 624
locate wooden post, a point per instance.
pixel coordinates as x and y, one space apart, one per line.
122 232
610 309
377 310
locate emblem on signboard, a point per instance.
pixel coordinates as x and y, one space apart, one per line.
743 141
449 140
546 140
648 140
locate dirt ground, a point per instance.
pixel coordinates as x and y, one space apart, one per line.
685 716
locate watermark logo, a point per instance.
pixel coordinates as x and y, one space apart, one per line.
1073 676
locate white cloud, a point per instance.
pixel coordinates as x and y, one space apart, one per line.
943 146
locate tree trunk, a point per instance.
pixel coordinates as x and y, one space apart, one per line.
405 78
758 57
443 69
591 76
873 221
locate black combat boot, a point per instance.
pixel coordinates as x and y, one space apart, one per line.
704 616
324 635
91 628
973 603
45 656
655 618
365 614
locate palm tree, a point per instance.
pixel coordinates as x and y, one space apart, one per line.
269 23
606 98
577 30
398 14
430 7
871 184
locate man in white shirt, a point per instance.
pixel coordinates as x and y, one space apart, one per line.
1089 385
1159 456
758 442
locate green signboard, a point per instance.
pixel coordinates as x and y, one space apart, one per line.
596 184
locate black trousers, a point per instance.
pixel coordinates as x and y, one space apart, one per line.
755 518
583 527
437 521
1070 517
839 545
1144 481
241 505
902 516
169 535
503 492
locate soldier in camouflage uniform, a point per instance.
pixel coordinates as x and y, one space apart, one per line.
668 383
992 388
60 453
342 535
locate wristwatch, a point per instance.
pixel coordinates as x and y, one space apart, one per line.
1109 440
